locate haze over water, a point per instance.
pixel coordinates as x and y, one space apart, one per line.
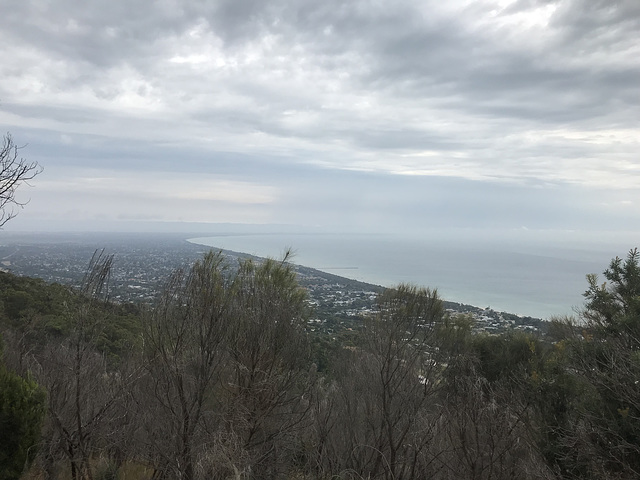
512 271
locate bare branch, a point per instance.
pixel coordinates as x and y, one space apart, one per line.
14 171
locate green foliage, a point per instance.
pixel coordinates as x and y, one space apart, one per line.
23 297
227 378
228 359
588 398
614 306
22 408
325 348
454 334
39 311
407 318
270 312
509 356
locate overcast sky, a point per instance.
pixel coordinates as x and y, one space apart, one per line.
371 115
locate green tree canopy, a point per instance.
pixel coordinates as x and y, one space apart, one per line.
22 409
614 306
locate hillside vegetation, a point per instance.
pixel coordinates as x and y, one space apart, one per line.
220 379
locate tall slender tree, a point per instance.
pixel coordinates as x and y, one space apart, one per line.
183 339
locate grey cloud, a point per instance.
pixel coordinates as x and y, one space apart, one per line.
100 33
403 139
373 201
346 85
59 114
478 66
585 21
398 50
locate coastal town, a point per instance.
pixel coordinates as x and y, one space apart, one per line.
143 263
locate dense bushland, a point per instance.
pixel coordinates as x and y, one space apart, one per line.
219 380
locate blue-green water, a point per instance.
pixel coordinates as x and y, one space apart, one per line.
536 277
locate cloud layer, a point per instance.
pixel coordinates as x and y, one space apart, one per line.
367 113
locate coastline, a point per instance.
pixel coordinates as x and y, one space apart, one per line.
463 286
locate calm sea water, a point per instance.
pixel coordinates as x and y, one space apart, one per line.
535 277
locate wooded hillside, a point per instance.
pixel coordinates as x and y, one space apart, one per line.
219 379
